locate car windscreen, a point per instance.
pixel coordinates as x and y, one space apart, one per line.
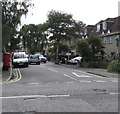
18 56
34 57
40 55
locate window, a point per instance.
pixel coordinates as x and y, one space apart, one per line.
110 40
105 40
104 25
98 28
117 41
85 31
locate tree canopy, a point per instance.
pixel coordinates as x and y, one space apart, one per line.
58 24
62 28
11 18
34 37
91 49
84 50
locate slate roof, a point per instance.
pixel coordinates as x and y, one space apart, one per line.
115 27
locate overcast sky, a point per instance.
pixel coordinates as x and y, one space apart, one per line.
88 11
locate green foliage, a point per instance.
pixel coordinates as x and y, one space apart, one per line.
11 18
63 47
50 50
34 36
114 66
84 49
95 44
58 24
91 49
62 27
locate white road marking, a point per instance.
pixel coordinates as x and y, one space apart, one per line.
114 93
52 70
52 83
100 81
84 81
70 77
114 80
80 75
33 83
69 82
88 73
42 66
33 96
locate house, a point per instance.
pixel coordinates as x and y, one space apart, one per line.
109 31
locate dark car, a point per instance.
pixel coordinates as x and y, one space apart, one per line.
34 59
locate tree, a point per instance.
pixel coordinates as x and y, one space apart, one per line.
91 49
29 35
79 27
34 37
84 50
11 18
58 24
63 48
96 46
42 34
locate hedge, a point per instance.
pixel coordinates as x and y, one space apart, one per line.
114 66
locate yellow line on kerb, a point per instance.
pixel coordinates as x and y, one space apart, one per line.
11 81
20 76
16 76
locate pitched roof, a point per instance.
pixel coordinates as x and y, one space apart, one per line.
115 26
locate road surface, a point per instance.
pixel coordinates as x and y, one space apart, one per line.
55 88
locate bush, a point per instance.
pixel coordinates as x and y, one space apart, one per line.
114 66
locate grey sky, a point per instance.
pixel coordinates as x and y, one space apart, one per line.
88 11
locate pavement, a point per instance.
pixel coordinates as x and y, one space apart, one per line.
95 71
5 75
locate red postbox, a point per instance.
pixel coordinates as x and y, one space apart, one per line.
6 61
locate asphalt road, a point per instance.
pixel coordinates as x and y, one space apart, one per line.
54 88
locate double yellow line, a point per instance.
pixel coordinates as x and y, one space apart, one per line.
17 77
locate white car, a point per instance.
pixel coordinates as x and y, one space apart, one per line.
42 58
20 59
75 60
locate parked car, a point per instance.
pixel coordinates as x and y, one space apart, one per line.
34 59
42 58
20 59
75 60
63 60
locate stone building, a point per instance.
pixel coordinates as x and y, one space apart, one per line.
109 31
